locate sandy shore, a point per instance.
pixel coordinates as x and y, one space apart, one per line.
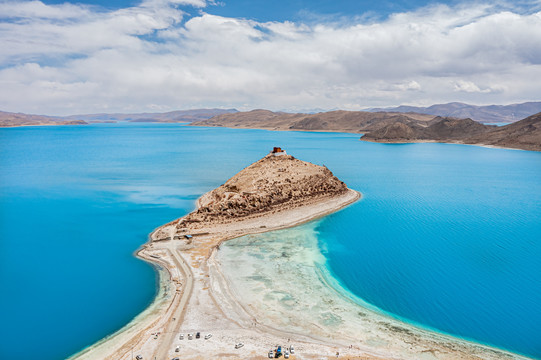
196 296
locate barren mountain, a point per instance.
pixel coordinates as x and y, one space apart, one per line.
439 129
18 119
272 183
343 121
484 114
8 119
524 134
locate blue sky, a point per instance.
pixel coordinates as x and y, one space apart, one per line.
293 10
61 57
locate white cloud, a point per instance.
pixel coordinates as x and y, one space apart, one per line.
38 10
471 87
69 58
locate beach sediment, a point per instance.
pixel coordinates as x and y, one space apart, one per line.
182 268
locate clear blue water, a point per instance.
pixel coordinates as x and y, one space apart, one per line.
447 236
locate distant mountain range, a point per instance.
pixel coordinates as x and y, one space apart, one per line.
340 120
392 127
484 114
171 116
378 126
8 119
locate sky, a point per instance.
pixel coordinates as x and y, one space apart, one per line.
73 57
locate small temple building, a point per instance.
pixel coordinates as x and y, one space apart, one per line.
277 151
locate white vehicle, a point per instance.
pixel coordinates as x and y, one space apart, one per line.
139 357
286 355
208 336
177 349
190 336
291 349
181 337
239 345
271 354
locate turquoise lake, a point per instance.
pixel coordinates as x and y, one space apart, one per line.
446 236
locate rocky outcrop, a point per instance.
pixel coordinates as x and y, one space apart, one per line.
267 185
450 128
524 134
439 129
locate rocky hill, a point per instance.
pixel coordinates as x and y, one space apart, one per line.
343 121
271 183
439 129
524 134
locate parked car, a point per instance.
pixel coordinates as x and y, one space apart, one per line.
239 345
198 335
208 336
286 355
177 349
190 336
271 354
181 337
291 349
139 357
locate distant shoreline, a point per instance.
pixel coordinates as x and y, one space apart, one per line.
366 140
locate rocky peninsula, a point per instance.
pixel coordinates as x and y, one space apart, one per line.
275 192
196 296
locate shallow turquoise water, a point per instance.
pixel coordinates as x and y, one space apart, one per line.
446 235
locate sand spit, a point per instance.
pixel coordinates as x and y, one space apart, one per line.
274 193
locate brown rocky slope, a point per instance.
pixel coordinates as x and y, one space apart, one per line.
270 184
439 129
524 134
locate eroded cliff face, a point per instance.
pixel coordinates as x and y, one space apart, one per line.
269 184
